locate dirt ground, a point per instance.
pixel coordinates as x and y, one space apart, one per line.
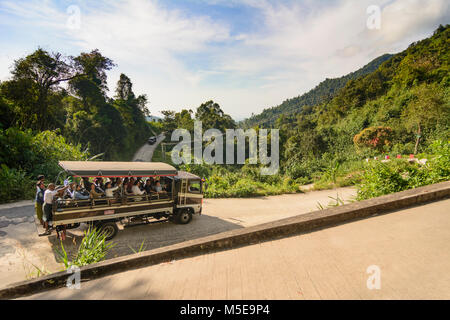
23 254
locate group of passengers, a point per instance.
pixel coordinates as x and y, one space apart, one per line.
97 189
129 186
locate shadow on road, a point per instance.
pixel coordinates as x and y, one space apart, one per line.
152 236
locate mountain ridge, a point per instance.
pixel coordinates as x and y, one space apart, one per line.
323 92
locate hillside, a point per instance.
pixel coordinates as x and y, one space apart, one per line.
325 91
406 101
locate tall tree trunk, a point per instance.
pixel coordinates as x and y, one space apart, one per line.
419 133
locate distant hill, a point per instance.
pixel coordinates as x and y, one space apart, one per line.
325 91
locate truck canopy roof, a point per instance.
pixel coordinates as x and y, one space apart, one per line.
117 169
186 175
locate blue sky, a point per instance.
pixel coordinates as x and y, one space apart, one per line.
246 55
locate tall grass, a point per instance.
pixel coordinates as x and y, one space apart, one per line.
93 248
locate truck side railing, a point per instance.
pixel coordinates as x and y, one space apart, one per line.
61 205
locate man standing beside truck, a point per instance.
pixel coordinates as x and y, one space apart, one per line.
48 204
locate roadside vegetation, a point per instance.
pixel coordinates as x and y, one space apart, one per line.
56 108
231 181
93 248
398 105
26 155
397 175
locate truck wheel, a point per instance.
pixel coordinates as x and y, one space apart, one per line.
109 229
184 216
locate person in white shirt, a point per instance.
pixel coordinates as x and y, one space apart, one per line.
136 190
70 193
109 189
49 194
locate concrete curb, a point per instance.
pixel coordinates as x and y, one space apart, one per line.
246 236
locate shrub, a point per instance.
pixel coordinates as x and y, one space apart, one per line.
14 184
382 178
377 138
304 169
398 175
29 155
50 148
439 164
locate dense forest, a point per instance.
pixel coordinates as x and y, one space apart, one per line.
405 100
56 108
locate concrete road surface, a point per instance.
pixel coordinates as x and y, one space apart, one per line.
21 249
22 252
145 153
401 255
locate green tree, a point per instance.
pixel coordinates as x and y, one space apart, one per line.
169 122
133 111
34 79
212 116
425 111
184 120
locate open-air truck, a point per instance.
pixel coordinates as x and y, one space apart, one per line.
179 203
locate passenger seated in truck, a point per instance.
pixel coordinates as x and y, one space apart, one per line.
94 194
158 188
130 185
148 186
136 190
116 182
79 195
69 193
109 189
85 184
99 186
168 185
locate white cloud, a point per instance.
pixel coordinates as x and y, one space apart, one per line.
182 59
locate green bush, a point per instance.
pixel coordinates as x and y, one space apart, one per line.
14 184
383 178
24 156
304 169
439 165
398 175
240 185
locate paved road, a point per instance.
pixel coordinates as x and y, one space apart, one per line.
145 153
20 247
411 248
